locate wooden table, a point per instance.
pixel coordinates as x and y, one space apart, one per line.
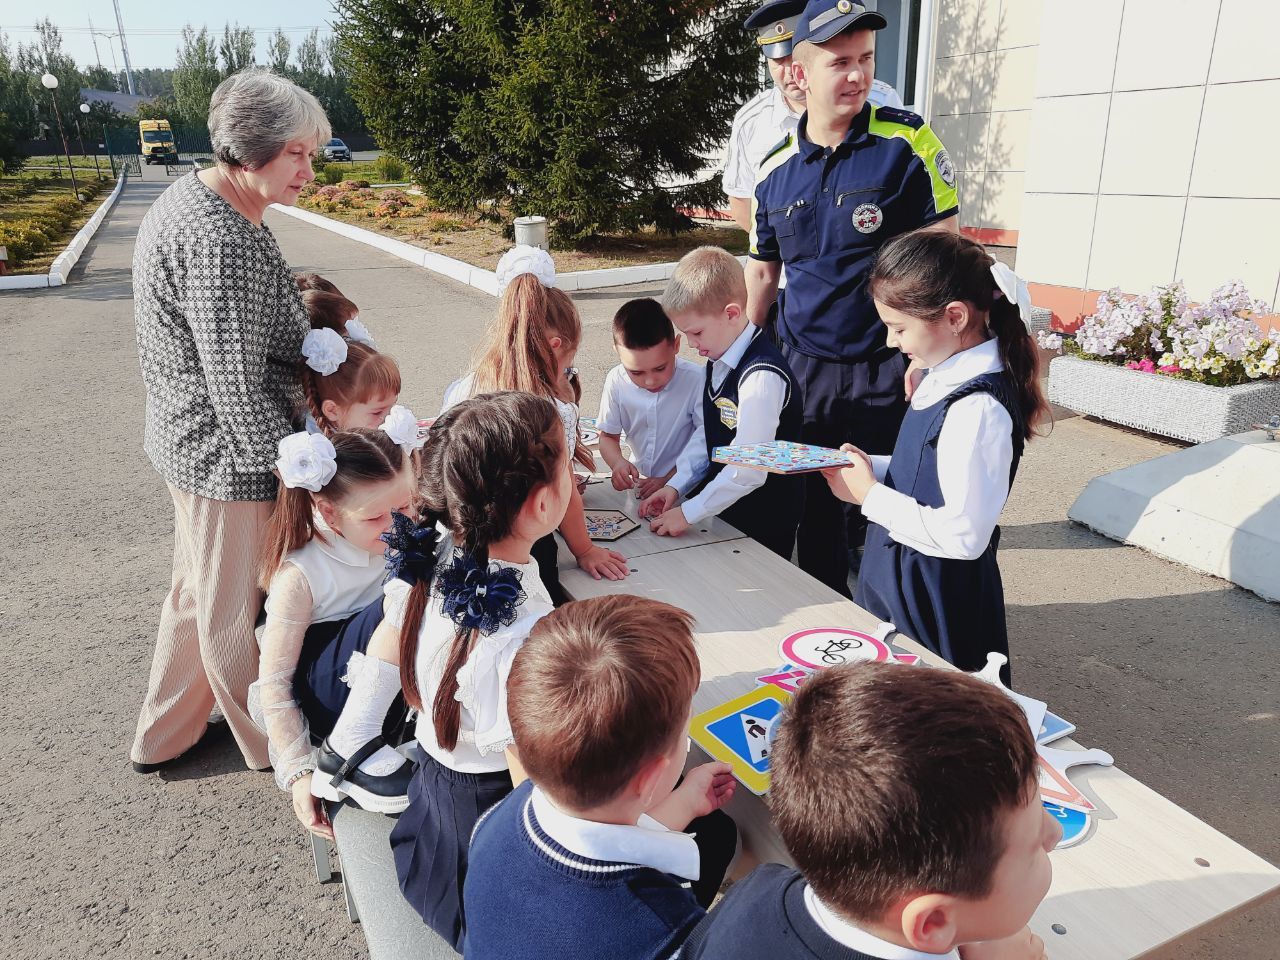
1150 873
642 543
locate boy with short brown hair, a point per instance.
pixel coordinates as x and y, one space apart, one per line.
908 799
587 858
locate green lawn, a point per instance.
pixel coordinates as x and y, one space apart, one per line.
31 200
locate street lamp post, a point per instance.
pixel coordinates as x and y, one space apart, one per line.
51 84
84 108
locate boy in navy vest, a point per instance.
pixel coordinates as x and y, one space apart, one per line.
587 858
908 798
750 396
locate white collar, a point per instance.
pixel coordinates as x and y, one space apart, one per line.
957 369
846 934
733 356
648 843
339 547
783 116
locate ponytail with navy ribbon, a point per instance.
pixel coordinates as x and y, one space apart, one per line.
411 548
479 596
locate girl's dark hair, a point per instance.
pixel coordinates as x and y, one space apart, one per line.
920 273
483 459
365 373
363 456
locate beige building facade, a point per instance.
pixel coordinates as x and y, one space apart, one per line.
1116 143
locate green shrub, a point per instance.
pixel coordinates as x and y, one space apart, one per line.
332 174
389 169
24 238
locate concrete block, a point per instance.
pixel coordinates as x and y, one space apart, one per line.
1214 507
25 281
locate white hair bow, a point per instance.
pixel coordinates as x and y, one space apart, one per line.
1015 290
357 331
324 350
526 259
402 427
307 461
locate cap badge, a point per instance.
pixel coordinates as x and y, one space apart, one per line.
780 28
844 6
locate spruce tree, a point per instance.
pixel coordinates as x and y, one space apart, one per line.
586 111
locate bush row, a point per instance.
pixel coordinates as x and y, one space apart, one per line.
44 226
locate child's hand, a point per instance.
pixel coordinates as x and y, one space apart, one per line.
625 476
651 485
852 483
915 373
602 562
1023 945
310 810
670 524
707 787
658 503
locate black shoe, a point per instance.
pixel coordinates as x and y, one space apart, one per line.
139 767
335 779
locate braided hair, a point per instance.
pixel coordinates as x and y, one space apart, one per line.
920 273
482 461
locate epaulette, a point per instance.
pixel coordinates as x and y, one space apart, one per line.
904 117
777 148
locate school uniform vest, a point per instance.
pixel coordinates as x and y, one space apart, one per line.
771 513
953 607
764 917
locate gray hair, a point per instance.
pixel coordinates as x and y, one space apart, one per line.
707 279
255 112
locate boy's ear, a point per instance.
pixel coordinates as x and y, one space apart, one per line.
644 784
677 343
929 922
331 410
733 311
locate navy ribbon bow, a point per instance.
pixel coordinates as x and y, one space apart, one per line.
411 549
479 597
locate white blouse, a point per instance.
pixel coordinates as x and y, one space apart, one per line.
319 582
658 425
975 451
464 389
484 731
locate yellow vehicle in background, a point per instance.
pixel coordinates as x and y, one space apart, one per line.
156 138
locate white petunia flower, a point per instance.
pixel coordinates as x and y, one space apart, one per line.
324 350
307 461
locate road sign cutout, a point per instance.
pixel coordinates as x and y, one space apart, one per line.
738 733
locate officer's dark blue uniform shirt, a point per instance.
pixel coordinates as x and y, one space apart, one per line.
824 213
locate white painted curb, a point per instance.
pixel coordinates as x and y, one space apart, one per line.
477 277
67 259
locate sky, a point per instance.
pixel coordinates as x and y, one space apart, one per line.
153 28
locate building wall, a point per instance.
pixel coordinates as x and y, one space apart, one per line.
1152 150
983 92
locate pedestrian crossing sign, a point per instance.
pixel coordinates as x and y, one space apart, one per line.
740 733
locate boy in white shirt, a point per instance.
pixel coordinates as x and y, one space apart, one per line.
750 396
652 395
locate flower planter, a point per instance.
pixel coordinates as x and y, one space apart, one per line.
1160 404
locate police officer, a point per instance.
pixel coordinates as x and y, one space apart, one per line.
827 197
774 112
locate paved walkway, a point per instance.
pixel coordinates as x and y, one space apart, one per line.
1173 672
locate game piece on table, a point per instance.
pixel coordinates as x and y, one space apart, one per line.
1075 823
1054 783
424 426
739 733
821 647
1054 728
1033 708
787 677
587 423
781 456
589 437
608 525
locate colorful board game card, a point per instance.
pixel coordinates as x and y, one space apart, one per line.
787 677
1075 823
609 525
589 437
1053 727
424 426
739 733
780 456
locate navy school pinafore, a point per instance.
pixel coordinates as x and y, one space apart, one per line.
953 607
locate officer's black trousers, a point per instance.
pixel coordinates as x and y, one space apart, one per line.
860 403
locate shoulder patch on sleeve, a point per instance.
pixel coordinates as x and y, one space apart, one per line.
777 148
924 144
894 115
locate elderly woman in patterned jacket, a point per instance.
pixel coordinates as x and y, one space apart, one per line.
220 327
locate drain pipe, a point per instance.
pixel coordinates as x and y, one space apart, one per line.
925 60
